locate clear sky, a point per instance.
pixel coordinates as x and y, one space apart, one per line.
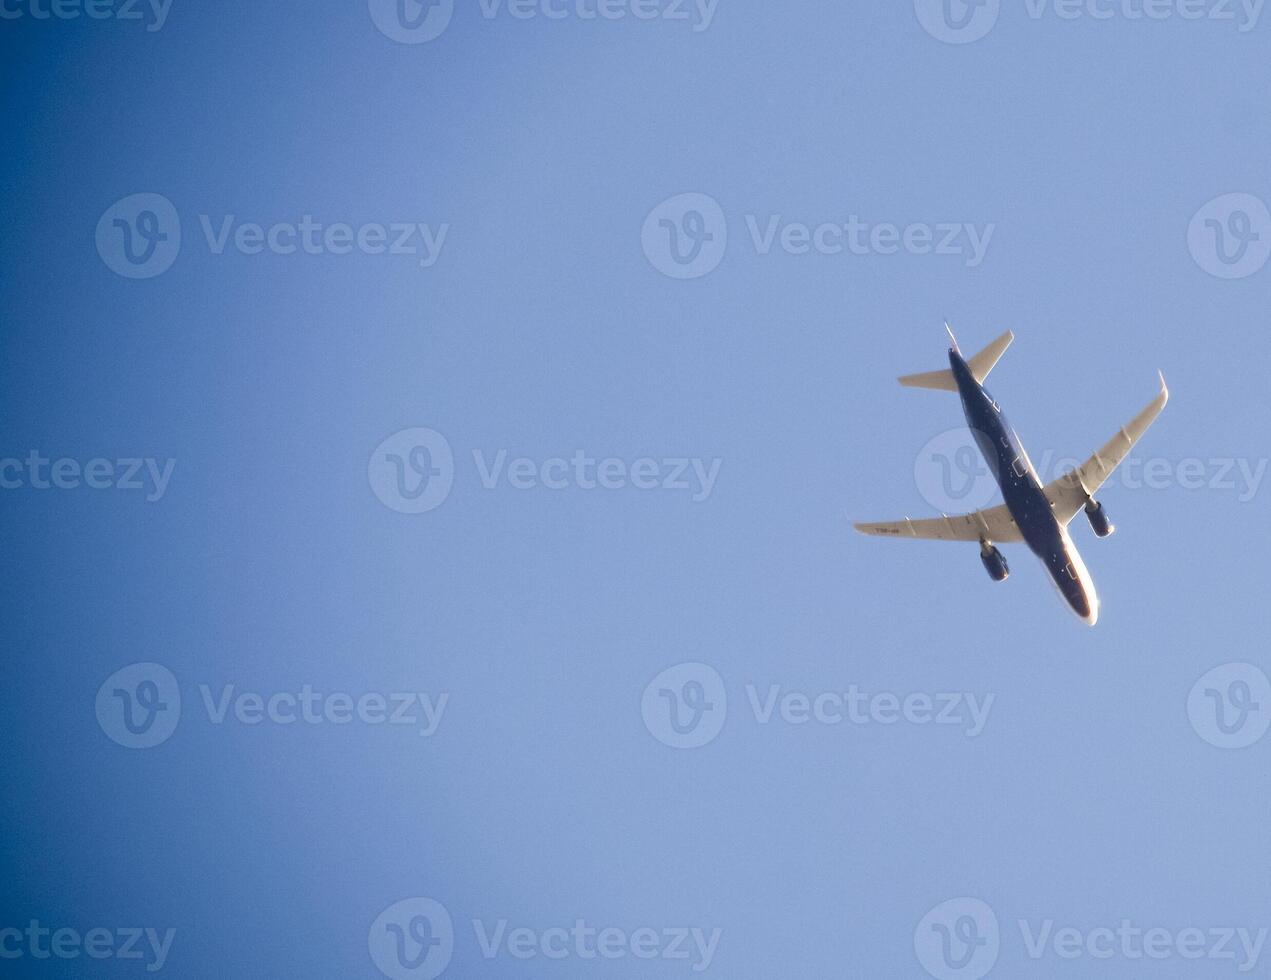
414 389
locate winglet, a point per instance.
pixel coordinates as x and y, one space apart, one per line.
949 330
1164 386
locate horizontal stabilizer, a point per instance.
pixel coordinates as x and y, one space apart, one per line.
939 380
983 362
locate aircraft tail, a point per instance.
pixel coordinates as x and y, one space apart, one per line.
981 364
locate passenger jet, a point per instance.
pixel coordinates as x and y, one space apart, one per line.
1035 514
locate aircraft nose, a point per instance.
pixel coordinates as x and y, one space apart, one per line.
1087 611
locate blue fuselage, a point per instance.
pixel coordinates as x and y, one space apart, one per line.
1023 494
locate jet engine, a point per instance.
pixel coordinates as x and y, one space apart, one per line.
994 562
1099 519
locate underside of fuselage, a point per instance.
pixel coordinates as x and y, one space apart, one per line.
1022 492
1071 577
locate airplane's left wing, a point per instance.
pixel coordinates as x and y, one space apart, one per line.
993 524
1068 493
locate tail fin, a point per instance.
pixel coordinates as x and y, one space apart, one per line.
981 364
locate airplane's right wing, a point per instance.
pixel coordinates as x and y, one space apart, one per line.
1068 493
993 524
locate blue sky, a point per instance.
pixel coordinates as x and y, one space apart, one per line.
630 288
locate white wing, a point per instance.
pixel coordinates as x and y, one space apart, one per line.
993 524
1068 493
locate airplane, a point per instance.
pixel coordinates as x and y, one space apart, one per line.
1032 513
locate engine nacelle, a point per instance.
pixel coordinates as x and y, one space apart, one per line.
994 562
1099 521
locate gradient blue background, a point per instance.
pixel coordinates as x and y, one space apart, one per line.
542 329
